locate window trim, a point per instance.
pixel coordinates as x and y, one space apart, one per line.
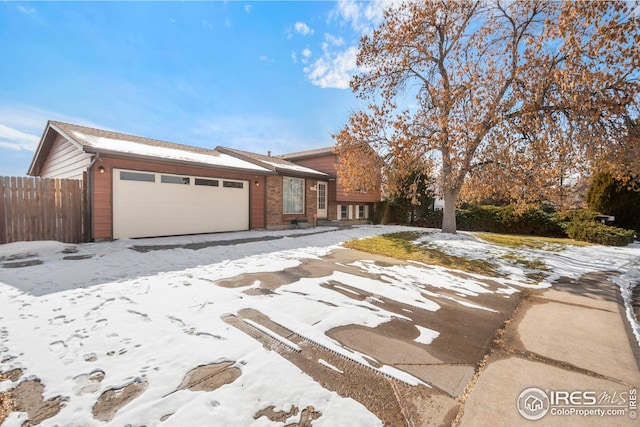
284 205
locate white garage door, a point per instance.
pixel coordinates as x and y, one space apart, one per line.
147 204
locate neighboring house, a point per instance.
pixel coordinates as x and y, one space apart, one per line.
141 187
340 205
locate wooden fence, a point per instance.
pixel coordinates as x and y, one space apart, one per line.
43 209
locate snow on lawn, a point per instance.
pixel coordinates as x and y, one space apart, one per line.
157 315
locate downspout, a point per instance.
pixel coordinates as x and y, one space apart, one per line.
95 158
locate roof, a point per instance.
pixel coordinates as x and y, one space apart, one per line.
277 164
309 153
93 140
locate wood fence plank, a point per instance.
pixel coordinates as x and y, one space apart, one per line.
14 209
43 209
84 205
4 184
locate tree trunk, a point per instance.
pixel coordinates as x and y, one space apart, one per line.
449 213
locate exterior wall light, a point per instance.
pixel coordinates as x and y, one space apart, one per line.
101 169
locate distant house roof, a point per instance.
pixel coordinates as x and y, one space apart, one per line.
309 153
277 164
92 140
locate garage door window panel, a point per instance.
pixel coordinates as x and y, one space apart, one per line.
137 176
172 179
207 182
293 195
232 184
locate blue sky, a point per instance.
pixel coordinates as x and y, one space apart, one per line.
250 75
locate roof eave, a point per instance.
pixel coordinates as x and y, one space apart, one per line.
248 159
43 147
179 162
301 174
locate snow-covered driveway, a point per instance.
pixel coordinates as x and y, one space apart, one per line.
145 320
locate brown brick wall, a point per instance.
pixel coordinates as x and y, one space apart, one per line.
274 201
275 216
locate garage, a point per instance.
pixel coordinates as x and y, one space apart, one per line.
147 204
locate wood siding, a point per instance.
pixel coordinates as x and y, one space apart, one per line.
327 164
65 160
42 209
102 189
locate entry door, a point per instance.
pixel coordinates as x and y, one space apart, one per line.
322 200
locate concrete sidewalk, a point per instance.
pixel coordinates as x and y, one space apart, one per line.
572 347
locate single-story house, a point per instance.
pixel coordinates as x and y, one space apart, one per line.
141 187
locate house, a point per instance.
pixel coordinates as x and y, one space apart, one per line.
340 204
142 187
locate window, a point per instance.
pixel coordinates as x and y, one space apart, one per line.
344 211
207 182
293 195
136 176
232 184
361 211
172 179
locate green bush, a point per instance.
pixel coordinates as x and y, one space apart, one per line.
595 232
379 210
612 197
506 219
577 224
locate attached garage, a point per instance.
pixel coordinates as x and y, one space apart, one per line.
147 204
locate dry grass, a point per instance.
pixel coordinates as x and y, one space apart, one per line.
530 242
7 404
402 246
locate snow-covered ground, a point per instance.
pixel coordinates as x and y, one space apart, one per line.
157 315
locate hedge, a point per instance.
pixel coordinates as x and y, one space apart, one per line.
578 224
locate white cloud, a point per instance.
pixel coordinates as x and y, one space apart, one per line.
21 127
294 57
334 69
335 41
247 8
27 10
17 140
306 52
338 63
302 28
362 16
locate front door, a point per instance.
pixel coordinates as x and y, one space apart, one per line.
322 200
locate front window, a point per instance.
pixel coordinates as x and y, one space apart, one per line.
293 195
361 211
344 212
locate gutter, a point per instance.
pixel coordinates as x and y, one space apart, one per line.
95 158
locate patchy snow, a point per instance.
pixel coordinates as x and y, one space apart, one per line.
426 335
330 366
154 316
131 147
627 281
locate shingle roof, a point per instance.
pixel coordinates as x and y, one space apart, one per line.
103 141
309 153
277 164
